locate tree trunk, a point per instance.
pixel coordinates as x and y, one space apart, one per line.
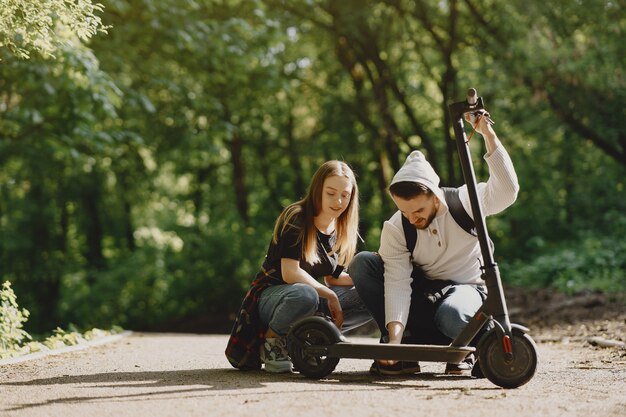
241 191
202 174
90 198
294 162
265 169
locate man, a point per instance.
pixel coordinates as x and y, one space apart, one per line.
430 294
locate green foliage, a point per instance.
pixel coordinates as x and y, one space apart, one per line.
12 319
49 173
15 341
141 173
163 282
590 263
27 25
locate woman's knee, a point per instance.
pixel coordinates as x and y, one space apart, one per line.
302 297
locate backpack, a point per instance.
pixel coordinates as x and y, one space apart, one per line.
434 290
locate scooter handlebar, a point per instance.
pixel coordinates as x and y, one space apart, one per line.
475 107
472 103
471 96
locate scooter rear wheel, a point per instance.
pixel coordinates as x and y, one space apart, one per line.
499 370
314 365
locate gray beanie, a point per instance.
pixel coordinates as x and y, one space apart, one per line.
417 169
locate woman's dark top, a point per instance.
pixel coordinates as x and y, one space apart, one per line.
289 247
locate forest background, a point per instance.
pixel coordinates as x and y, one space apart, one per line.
145 155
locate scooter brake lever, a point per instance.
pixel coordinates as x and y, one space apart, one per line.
473 116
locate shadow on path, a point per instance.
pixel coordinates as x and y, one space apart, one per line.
195 383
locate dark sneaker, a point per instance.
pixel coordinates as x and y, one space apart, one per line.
462 368
275 356
399 368
476 371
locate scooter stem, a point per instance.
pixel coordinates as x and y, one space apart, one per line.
495 305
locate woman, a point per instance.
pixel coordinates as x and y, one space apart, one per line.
313 238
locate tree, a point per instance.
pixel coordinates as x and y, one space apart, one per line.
50 146
43 26
141 173
570 57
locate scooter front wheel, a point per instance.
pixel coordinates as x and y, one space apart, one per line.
306 342
507 372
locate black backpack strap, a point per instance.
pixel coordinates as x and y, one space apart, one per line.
410 234
457 210
461 217
459 214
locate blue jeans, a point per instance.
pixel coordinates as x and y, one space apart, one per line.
280 306
427 322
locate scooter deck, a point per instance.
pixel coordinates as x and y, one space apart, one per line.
426 353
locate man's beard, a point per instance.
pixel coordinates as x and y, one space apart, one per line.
429 220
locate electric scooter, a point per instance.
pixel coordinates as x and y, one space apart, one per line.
507 355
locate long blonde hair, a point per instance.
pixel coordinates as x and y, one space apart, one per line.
347 224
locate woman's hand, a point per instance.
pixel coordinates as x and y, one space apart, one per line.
292 273
333 305
344 280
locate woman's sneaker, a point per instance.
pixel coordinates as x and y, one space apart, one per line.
275 356
399 368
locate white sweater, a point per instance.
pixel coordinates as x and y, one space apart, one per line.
444 250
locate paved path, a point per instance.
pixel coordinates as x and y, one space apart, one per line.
187 375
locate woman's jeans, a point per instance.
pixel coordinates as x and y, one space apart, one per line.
428 322
280 306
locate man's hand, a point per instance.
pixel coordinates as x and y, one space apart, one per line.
481 121
396 330
484 127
